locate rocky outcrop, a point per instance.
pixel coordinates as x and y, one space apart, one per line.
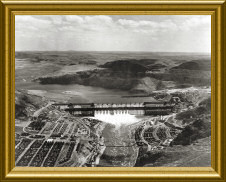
146 85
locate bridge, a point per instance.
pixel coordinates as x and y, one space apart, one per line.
113 146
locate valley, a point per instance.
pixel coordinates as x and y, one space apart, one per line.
48 136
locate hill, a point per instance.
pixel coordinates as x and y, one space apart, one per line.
133 66
195 65
26 105
126 75
136 75
195 155
200 128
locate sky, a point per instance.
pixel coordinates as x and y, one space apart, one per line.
146 33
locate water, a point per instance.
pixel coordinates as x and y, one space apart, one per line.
78 93
118 119
121 149
26 69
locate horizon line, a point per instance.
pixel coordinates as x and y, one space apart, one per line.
109 51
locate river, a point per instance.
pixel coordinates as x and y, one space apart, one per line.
121 149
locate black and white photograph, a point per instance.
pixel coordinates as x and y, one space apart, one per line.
112 90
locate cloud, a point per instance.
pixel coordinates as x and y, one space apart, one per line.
28 25
101 32
196 22
148 27
188 23
74 19
99 19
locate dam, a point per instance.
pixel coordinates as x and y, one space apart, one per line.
90 109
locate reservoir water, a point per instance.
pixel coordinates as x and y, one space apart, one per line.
79 93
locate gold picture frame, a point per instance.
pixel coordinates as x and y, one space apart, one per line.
10 8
